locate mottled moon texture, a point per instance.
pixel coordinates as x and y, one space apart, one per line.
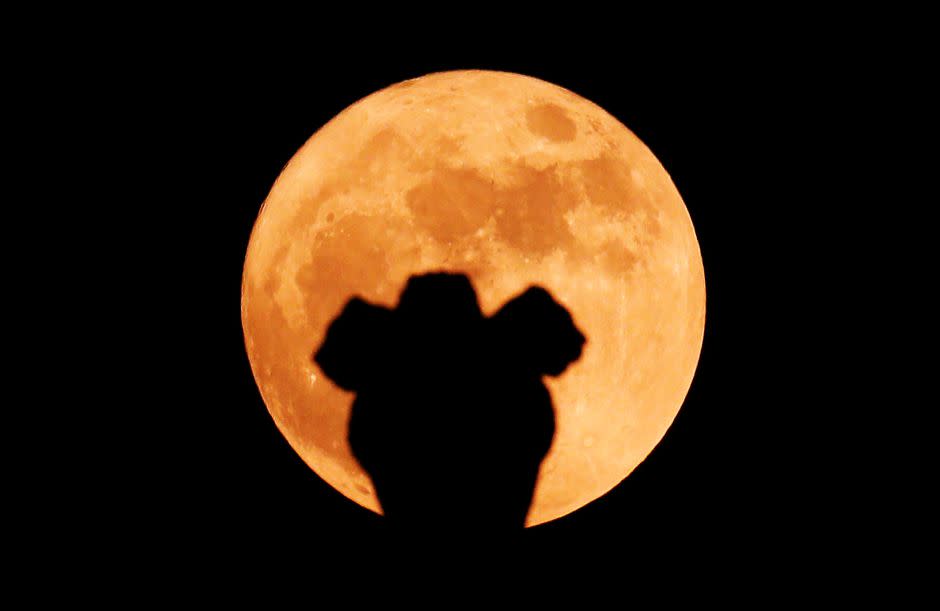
513 181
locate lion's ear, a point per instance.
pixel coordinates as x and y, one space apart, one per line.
539 332
351 352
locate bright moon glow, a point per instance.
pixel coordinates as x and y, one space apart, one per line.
513 181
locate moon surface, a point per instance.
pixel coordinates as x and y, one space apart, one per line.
515 182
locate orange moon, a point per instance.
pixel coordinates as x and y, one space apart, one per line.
515 182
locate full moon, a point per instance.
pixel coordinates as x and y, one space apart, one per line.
513 181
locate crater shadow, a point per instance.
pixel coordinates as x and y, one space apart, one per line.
451 418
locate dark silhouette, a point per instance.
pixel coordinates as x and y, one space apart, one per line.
451 418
